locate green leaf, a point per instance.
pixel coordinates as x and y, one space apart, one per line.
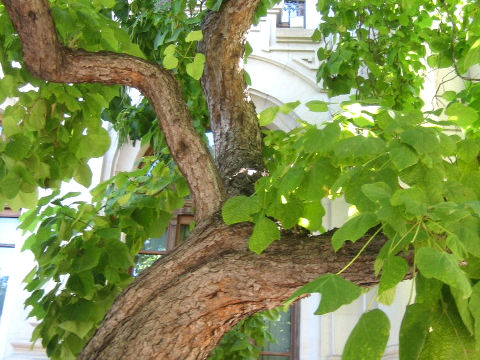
170 62
444 267
354 229
424 140
36 118
317 106
368 339
449 95
412 198
94 144
159 39
82 283
288 212
335 291
463 308
195 68
312 215
79 328
214 5
248 52
447 338
264 233
394 270
18 146
24 200
474 306
239 209
358 148
462 114
83 175
10 185
169 50
118 254
11 120
321 141
378 191
194 36
403 156
268 115
473 55
414 330
87 259
288 107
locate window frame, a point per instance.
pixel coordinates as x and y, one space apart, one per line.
294 353
183 216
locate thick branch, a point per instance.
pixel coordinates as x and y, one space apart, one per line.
238 143
158 318
46 58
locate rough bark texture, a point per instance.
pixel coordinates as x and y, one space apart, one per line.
182 305
46 58
238 142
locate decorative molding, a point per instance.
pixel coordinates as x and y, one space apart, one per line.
295 35
286 67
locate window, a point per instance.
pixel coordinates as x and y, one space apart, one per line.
8 234
286 332
293 14
155 248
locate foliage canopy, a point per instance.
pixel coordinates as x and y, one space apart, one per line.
409 168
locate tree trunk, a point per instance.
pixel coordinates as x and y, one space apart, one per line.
238 141
181 306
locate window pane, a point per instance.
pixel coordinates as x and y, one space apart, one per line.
156 244
5 259
9 230
280 331
183 232
143 261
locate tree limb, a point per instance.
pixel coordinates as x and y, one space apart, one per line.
238 142
229 283
46 58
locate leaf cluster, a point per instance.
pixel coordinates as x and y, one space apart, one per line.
245 340
84 250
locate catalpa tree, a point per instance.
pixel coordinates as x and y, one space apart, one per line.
412 175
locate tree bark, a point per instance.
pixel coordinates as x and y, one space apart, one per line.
238 141
181 306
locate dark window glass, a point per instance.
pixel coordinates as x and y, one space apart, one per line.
281 331
156 244
183 232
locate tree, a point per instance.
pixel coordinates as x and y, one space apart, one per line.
413 176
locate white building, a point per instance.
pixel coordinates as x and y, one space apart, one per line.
282 68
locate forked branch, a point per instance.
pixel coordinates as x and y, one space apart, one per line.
46 58
238 142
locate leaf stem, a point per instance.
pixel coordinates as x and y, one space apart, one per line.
360 251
